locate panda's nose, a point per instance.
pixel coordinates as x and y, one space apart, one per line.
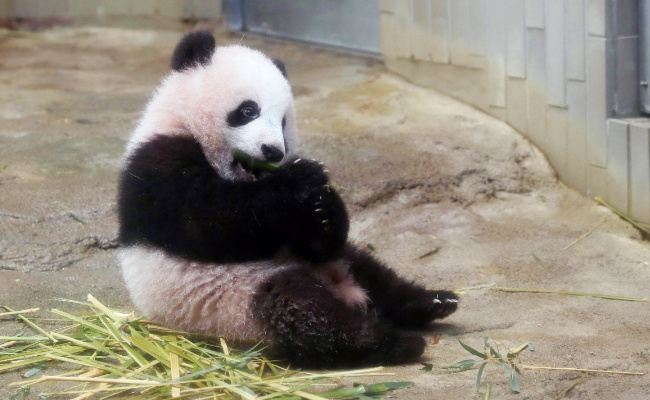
272 153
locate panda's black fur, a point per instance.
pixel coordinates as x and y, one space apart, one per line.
170 199
206 235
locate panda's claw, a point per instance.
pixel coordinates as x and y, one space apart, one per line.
297 160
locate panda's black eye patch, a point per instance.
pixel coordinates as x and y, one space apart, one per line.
246 112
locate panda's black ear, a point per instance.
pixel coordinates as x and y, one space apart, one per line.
281 67
194 48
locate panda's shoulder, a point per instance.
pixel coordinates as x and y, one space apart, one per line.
167 154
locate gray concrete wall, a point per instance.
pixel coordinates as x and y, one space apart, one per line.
109 8
556 70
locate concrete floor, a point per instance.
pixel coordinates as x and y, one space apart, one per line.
448 196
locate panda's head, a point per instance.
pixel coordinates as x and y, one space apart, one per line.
226 98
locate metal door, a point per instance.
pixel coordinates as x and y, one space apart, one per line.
351 24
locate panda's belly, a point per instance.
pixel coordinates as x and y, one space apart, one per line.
197 297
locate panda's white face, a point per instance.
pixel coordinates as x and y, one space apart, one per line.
238 100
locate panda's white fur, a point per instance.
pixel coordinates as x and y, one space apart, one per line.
215 298
194 296
195 102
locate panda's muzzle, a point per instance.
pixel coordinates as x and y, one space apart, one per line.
247 167
272 153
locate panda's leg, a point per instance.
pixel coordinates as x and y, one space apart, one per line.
315 329
403 303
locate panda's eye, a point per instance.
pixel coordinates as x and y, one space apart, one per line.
245 112
249 112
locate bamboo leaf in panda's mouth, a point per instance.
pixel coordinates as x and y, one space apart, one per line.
253 164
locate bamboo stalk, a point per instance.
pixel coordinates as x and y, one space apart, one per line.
118 381
102 386
24 338
175 373
589 232
224 346
596 371
105 309
600 296
31 324
31 310
571 386
254 164
642 227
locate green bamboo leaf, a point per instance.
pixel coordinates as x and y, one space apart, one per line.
362 390
81 321
473 351
519 349
496 354
24 391
480 373
514 385
36 368
347 392
398 385
77 219
461 365
505 367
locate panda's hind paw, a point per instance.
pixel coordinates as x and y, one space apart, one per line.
439 304
429 306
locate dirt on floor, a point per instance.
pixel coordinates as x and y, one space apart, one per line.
448 196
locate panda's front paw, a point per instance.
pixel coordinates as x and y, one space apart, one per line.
299 178
317 225
321 228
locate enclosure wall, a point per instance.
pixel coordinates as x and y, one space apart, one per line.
562 72
109 8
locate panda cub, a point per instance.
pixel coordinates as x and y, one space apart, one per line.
208 246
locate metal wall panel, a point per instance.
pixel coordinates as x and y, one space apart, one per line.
352 24
644 53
